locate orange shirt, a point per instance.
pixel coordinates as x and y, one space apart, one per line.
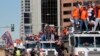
84 15
75 13
65 31
99 13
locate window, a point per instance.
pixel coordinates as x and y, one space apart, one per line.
49 11
67 20
27 0
26 14
26 20
27 10
67 12
27 4
86 41
28 29
97 41
76 3
67 5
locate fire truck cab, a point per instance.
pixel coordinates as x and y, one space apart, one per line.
85 44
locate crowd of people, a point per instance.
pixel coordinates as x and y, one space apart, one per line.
50 34
88 14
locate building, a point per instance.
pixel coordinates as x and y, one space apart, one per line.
36 13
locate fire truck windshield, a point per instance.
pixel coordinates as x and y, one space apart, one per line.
97 41
48 45
84 42
30 45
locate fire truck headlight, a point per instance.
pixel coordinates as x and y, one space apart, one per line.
81 53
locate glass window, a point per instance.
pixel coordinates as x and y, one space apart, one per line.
98 41
67 20
27 20
32 45
26 9
86 41
28 29
67 12
67 5
72 41
26 14
49 11
48 45
76 41
27 0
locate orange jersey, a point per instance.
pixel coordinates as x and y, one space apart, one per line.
99 13
75 13
84 15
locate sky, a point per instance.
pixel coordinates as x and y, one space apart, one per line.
10 14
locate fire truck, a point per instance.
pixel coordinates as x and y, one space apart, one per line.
78 44
86 44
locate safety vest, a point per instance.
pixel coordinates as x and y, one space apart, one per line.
18 52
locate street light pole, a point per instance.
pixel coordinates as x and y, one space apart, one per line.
11 27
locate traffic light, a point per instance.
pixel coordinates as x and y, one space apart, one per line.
12 27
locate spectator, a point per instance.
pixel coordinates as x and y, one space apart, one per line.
90 12
76 16
91 16
18 52
43 37
65 31
41 52
56 37
33 52
97 19
59 48
52 36
84 19
14 53
36 38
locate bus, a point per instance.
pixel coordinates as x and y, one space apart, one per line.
85 44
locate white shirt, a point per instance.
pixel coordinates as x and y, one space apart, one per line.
89 11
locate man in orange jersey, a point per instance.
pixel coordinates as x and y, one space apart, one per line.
84 18
76 16
97 19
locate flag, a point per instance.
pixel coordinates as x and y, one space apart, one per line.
7 38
